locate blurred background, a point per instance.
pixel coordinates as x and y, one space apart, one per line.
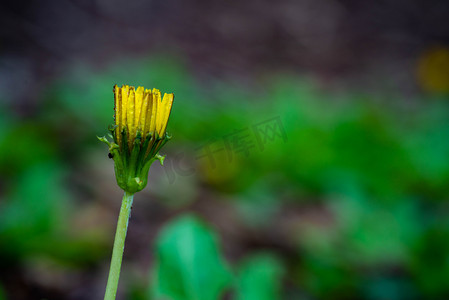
309 159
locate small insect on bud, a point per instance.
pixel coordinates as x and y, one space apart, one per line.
110 155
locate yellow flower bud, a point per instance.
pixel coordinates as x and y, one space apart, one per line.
141 110
141 117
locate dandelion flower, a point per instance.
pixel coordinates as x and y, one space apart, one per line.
139 132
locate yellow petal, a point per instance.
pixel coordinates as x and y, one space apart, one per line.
159 116
154 109
148 96
131 116
124 96
139 97
167 105
117 109
143 114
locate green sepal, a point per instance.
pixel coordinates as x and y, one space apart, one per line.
113 131
112 127
163 141
132 162
124 150
161 158
104 140
113 147
146 143
136 149
151 152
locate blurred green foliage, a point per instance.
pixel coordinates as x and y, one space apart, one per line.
2 294
260 278
189 265
377 173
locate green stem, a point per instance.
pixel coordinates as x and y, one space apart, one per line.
119 245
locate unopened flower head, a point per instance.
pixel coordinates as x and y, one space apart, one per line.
141 117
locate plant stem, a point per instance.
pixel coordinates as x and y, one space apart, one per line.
119 245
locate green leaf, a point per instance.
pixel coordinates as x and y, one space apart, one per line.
35 220
260 278
189 263
2 294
